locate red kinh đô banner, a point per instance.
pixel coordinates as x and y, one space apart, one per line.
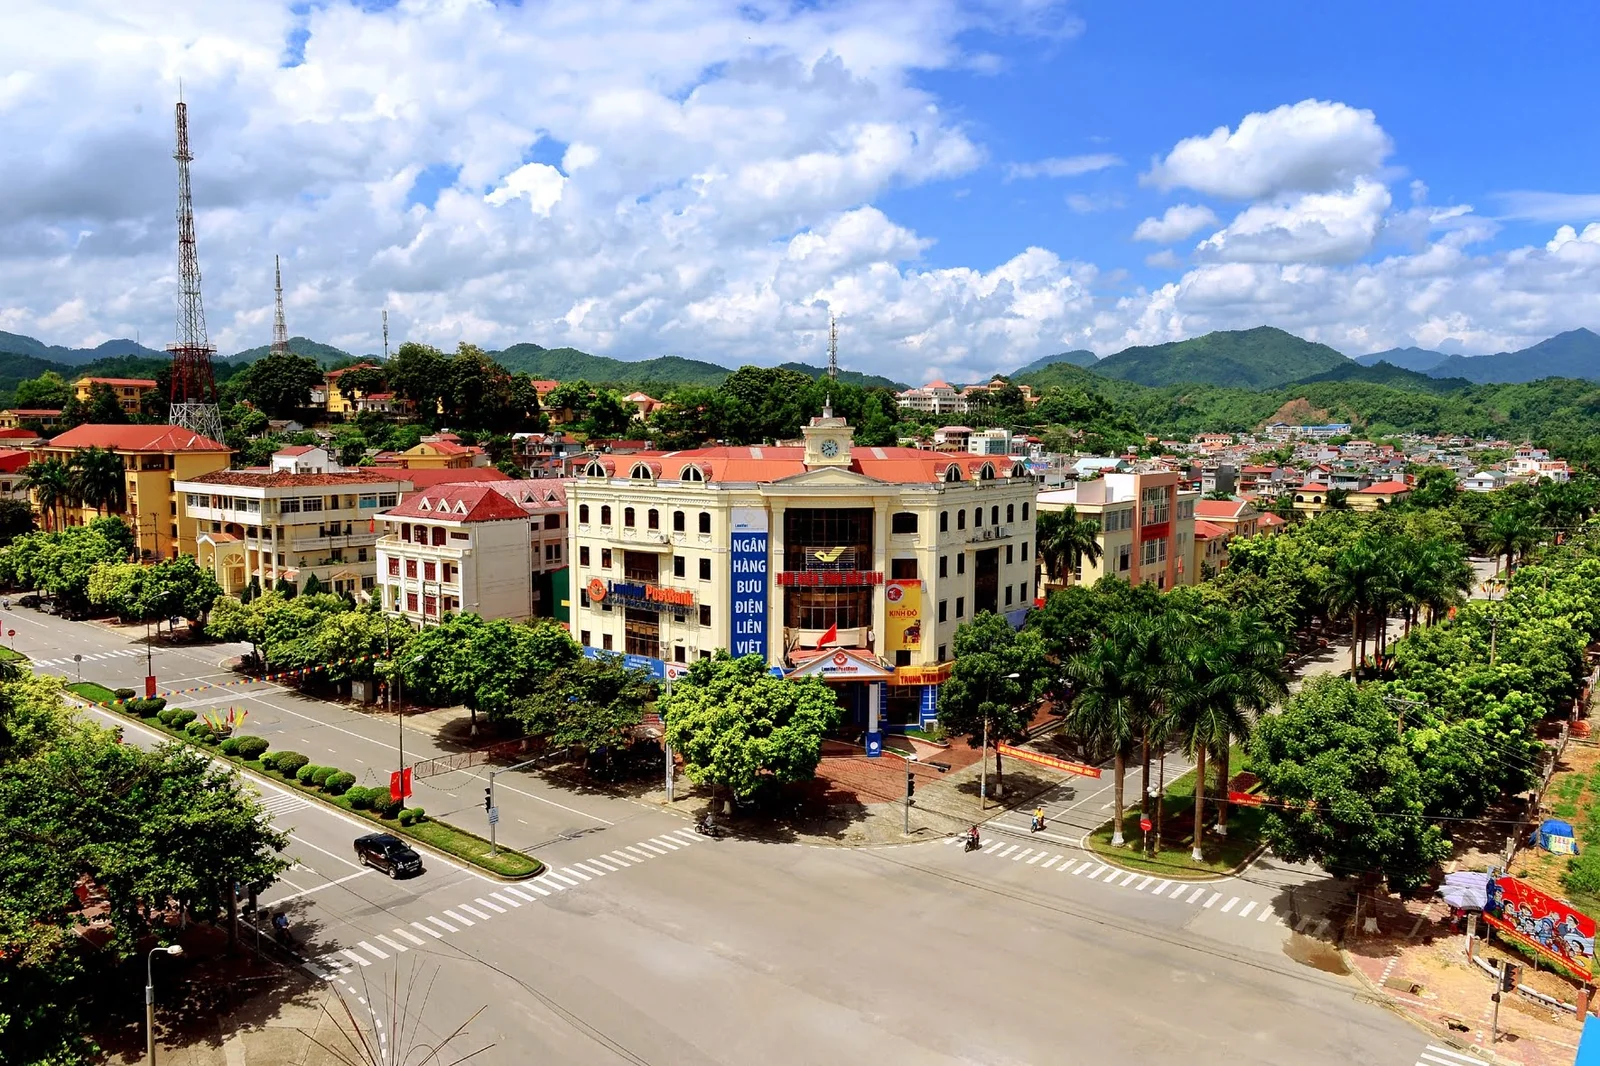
1550 926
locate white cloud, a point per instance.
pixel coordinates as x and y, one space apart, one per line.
1166 259
1551 206
1310 146
1567 235
1333 227
1064 166
1090 203
538 183
1179 221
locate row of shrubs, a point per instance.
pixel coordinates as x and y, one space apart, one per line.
291 764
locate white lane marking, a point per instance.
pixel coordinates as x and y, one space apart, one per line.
996 846
1228 906
503 898
626 860
537 888
1080 869
673 844
662 851
1020 854
640 852
1197 894
326 852
457 918
1009 850
1435 1053
576 873
1143 884
1178 889
689 833
475 912
393 943
561 881
1266 912
1051 862
1162 887
610 866
1245 910
370 950
414 938
353 955
1036 858
319 888
596 868
492 906
1094 875
430 932
1126 881
1214 897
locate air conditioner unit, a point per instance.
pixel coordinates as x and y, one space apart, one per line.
988 534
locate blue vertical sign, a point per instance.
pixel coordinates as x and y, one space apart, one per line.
748 583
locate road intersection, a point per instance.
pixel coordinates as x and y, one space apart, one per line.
644 943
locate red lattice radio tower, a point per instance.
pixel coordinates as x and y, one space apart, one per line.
194 387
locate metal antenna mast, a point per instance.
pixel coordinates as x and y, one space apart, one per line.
385 334
833 348
194 388
280 332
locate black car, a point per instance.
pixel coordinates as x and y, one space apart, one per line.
388 853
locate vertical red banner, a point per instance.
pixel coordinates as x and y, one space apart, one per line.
400 785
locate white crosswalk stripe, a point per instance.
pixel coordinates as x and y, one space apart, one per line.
673 844
370 950
1434 1055
395 944
409 936
430 932
278 803
503 898
454 917
492 906
446 926
347 953
475 912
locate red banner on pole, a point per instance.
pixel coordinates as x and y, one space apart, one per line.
400 784
1050 761
1548 925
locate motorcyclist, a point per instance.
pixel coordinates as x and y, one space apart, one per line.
972 837
1038 818
280 926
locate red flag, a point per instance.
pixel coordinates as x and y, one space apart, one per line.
830 636
400 784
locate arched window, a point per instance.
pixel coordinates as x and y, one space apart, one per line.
986 472
903 522
977 517
641 472
944 521
594 469
652 519
961 520
691 473
1024 512
705 521
1011 513
605 514
952 473
583 513
677 521
627 518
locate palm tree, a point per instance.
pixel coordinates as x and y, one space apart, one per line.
1064 541
51 484
1232 674
98 477
1431 573
1512 532
1105 710
1346 593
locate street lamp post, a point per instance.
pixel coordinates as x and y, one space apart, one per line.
150 998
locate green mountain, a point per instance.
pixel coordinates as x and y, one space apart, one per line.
1422 360
1076 357
1259 358
325 354
569 364
1383 373
1573 354
17 344
850 377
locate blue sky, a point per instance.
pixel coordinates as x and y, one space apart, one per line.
966 184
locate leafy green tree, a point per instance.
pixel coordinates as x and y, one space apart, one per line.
998 673
1434 487
486 665
49 391
16 518
417 372
99 478
1064 541
103 407
738 726
1108 708
362 381
1345 792
587 704
279 384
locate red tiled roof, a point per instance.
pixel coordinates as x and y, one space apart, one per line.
143 383
18 434
14 459
895 466
294 449
346 370
445 447
1270 519
1207 530
283 479
534 494
50 412
1386 487
427 479
458 503
1219 508
137 439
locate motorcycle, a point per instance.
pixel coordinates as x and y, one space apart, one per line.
708 828
1038 824
972 844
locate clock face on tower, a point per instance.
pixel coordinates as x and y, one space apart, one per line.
829 449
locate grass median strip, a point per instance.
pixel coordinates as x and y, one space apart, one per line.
442 836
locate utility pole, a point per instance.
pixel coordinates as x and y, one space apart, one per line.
666 745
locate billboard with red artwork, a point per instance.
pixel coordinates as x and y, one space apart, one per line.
1548 925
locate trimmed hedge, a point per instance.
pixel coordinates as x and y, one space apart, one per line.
289 763
386 807
230 746
320 775
339 782
123 694
250 747
360 798
305 774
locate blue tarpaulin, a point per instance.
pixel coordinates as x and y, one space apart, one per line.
1589 1043
1556 836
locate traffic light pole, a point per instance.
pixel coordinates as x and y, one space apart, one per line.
488 800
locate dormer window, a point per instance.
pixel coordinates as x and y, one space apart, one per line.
691 473
641 472
952 473
425 505
594 469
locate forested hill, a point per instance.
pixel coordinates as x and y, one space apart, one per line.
1259 358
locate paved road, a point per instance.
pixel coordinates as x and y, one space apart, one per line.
647 944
